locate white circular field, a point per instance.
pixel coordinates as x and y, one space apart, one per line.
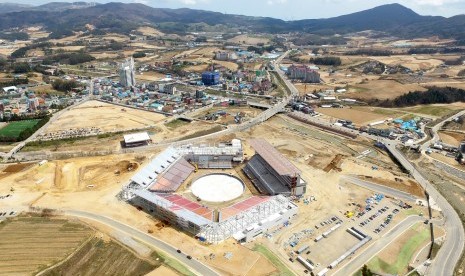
217 188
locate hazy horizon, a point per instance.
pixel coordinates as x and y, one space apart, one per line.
290 9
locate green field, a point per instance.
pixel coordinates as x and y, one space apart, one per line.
13 129
283 269
399 265
176 123
202 133
432 110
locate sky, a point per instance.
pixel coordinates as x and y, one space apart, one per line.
292 9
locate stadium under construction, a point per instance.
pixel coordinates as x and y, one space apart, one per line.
154 187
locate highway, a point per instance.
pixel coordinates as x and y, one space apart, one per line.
448 256
374 248
196 266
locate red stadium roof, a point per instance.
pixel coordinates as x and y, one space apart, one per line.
173 177
242 206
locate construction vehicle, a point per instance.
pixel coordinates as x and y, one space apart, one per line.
349 214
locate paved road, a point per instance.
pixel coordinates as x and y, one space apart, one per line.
437 127
379 188
196 266
262 117
356 263
448 256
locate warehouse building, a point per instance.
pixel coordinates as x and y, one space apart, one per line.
137 139
272 173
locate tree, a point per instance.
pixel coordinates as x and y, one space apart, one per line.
21 68
366 271
64 85
139 55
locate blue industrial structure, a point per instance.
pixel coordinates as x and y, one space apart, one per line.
210 78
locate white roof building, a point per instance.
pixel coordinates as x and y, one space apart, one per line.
136 137
10 89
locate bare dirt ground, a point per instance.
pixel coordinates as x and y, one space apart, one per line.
448 160
64 185
358 117
150 76
310 88
105 116
451 138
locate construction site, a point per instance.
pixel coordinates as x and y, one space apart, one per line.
154 189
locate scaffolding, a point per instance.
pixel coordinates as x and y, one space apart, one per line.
218 232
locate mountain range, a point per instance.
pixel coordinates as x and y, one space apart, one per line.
393 19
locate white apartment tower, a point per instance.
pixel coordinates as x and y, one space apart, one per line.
127 73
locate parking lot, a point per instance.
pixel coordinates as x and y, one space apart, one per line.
7 213
374 219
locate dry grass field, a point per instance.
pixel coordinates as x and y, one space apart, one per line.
29 244
6 51
197 68
162 270
359 117
150 31
227 64
104 55
419 62
206 51
105 116
99 257
249 39
381 89
68 48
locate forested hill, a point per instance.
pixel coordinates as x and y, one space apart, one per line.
434 95
393 19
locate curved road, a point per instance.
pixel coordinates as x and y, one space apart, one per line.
437 127
448 256
196 266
